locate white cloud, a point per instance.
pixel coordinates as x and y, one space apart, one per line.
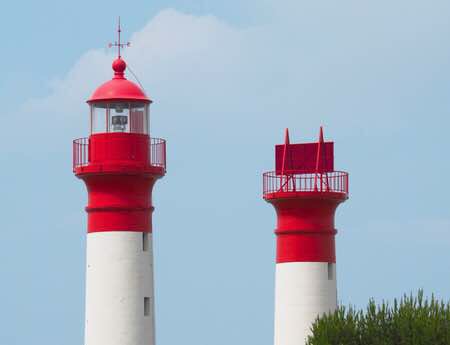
229 91
187 64
346 71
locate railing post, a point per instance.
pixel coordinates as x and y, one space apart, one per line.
264 184
346 183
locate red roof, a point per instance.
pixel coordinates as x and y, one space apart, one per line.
119 88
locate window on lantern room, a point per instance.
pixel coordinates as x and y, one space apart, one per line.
119 117
98 118
138 118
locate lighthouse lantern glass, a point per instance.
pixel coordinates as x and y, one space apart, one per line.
139 118
119 117
98 118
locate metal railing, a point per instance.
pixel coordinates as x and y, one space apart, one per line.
81 157
158 152
80 153
335 181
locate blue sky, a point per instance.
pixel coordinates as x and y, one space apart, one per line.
226 78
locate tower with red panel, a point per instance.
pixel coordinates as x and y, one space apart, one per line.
119 163
305 191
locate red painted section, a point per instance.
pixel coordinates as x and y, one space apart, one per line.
305 226
305 192
119 202
119 169
119 177
306 248
303 157
126 148
119 152
119 88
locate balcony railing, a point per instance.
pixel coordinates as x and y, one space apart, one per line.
336 181
80 153
157 153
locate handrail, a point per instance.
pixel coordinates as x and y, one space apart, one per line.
80 153
157 153
335 181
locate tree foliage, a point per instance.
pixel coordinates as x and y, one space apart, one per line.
414 320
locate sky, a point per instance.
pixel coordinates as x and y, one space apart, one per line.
226 79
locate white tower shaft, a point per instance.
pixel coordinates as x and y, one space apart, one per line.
119 289
303 291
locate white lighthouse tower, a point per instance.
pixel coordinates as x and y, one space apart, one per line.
119 163
305 191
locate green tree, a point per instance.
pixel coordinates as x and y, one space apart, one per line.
412 320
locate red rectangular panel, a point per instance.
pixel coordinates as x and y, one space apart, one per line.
303 158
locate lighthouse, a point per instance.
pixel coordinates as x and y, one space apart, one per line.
119 163
305 191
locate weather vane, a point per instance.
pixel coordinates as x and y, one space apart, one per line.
117 43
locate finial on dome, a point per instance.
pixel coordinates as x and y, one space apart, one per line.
119 65
118 43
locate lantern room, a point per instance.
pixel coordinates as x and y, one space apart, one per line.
119 105
119 116
119 130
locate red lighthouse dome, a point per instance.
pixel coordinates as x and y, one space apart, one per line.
119 88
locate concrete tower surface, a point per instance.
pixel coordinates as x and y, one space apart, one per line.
119 163
305 192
